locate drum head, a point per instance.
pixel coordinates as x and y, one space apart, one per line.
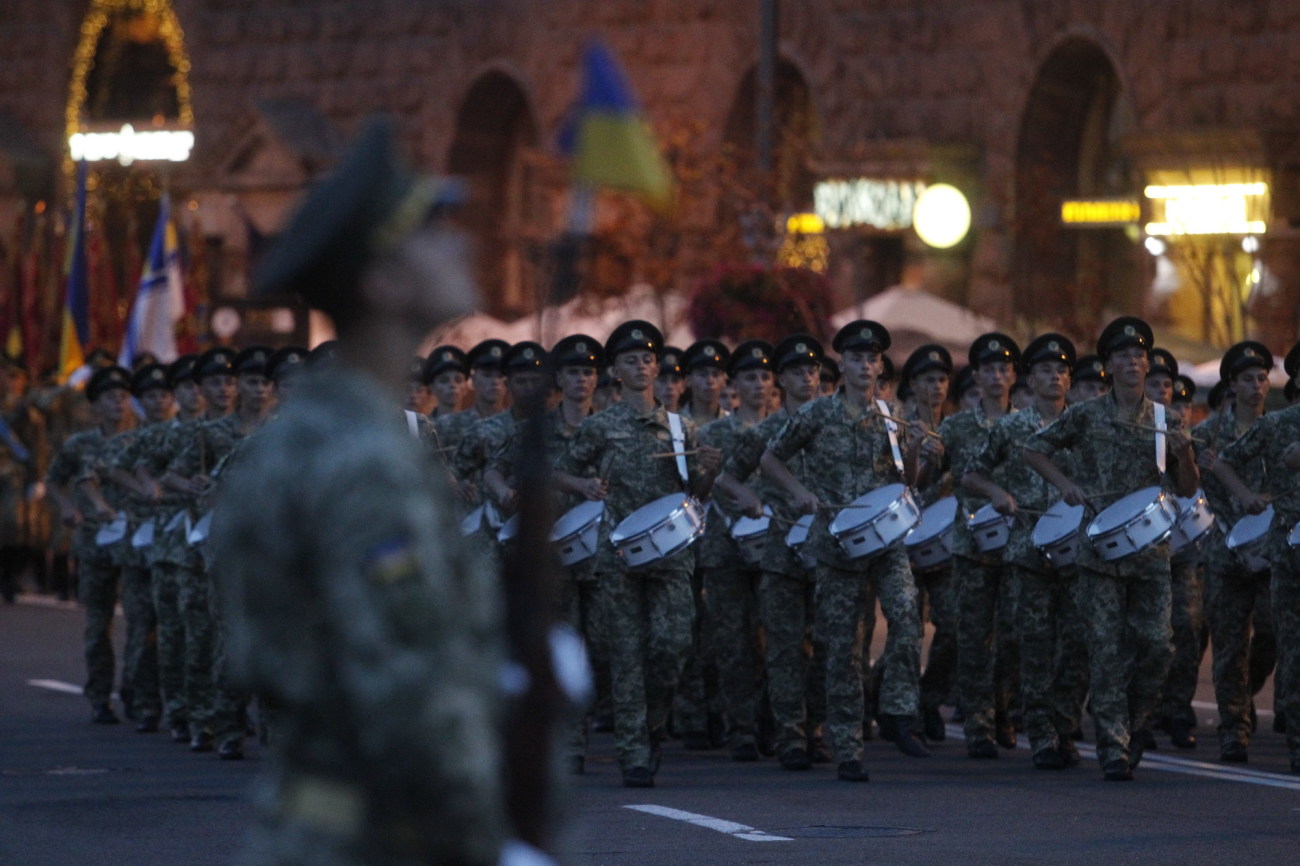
866 506
1293 538
1059 521
1250 528
935 520
1122 511
747 526
647 516
798 533
577 517
985 514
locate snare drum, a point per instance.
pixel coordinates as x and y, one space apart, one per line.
111 532
508 530
797 537
472 522
929 544
485 517
1249 539
577 532
875 520
199 531
143 537
662 528
1293 537
1195 519
1056 534
1133 524
989 529
750 535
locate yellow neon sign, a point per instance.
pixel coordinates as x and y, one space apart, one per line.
1100 212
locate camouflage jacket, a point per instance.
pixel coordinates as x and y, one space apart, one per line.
964 435
74 463
452 428
743 465
1266 441
716 548
1217 433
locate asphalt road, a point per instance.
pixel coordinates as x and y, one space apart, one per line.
76 793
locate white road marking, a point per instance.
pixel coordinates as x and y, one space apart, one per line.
1207 705
1187 766
57 686
731 828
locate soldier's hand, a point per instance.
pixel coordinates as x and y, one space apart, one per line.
104 513
1073 494
72 517
468 490
1005 503
806 502
1181 444
1207 460
932 449
36 492
200 484
748 503
594 489
1255 504
509 499
710 459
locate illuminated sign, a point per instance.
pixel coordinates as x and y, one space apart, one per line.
1208 209
881 204
1100 212
941 216
128 146
804 224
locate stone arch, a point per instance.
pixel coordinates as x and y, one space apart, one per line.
795 135
496 128
1073 116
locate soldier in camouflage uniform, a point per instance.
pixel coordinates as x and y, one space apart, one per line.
18 466
489 399
849 451
730 577
795 675
1274 441
987 652
445 373
73 484
1125 603
647 610
352 600
1232 590
1053 654
670 384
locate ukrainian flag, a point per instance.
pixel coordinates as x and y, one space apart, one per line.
610 141
76 308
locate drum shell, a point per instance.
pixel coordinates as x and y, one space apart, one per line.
1248 540
1195 520
1152 514
1061 549
873 522
751 534
797 539
577 533
929 544
658 530
1293 537
989 530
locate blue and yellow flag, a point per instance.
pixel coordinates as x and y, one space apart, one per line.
76 308
610 141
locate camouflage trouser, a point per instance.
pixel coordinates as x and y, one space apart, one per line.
697 689
732 596
200 648
97 581
1187 618
648 614
988 663
1053 657
842 610
140 656
1128 633
1231 595
229 704
165 585
1286 619
938 590
796 665
579 608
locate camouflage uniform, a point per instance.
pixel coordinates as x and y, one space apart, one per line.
352 602
731 595
647 611
848 454
1266 441
1053 653
1125 605
97 575
988 651
795 664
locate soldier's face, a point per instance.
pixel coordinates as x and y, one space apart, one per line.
157 404
449 386
801 381
112 405
418 397
1250 388
931 387
189 398
706 384
669 389
254 391
859 368
1049 380
995 379
1088 389
1129 366
1160 388
636 369
526 385
577 384
753 388
218 391
489 385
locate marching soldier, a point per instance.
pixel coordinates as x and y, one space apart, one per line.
419 396
489 398
1088 379
670 384
1118 449
445 373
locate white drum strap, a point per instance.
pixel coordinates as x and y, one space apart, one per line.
891 428
679 445
1160 437
412 423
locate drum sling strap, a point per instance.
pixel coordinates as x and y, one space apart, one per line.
1160 436
891 427
679 445
412 424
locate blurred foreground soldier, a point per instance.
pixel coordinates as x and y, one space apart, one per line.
350 600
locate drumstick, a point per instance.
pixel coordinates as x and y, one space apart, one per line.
1150 429
898 420
676 453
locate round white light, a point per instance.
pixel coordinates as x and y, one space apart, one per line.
1155 246
941 216
1250 244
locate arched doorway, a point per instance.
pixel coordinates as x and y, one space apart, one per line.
1063 277
495 133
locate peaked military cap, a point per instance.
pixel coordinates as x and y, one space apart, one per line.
1048 347
217 361
1217 393
523 356
830 370
862 334
1122 333
1163 361
991 347
252 360
150 377
1243 356
705 353
963 382
1089 368
106 379
1184 388
578 350
670 363
445 358
750 355
797 349
415 370
1292 362
143 359
925 358
636 334
285 361
363 209
182 369
487 354
324 354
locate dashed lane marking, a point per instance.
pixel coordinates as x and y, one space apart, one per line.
730 828
57 686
